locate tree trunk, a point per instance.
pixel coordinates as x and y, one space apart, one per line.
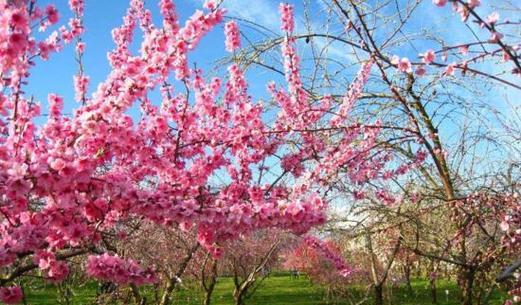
407 275
238 296
378 295
434 292
239 293
173 281
378 282
210 285
468 286
243 285
478 296
207 298
433 276
165 299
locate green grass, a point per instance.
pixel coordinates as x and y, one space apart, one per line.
275 290
47 293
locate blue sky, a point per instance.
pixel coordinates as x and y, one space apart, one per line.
101 16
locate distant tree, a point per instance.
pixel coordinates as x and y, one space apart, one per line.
249 261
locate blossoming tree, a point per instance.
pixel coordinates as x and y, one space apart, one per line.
448 85
71 183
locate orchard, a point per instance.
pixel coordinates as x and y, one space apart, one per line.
229 152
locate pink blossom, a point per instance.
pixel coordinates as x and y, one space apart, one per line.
506 57
286 13
58 271
462 11
17 171
428 57
210 4
464 50
449 70
113 268
80 47
77 6
440 3
52 14
493 18
403 64
354 92
331 254
81 83
17 41
386 197
233 40
420 71
293 164
167 9
71 179
55 105
18 19
44 259
57 164
433 275
496 37
11 295
504 225
474 3
76 27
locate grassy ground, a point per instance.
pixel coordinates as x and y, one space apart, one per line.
276 290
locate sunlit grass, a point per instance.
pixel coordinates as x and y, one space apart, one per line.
275 290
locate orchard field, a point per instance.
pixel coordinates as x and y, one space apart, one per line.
281 289
357 152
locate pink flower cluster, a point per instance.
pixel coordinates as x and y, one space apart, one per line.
354 92
11 295
511 223
428 57
292 163
440 3
65 183
330 254
402 64
77 6
287 17
14 36
511 227
15 39
232 34
114 268
56 270
170 23
81 83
